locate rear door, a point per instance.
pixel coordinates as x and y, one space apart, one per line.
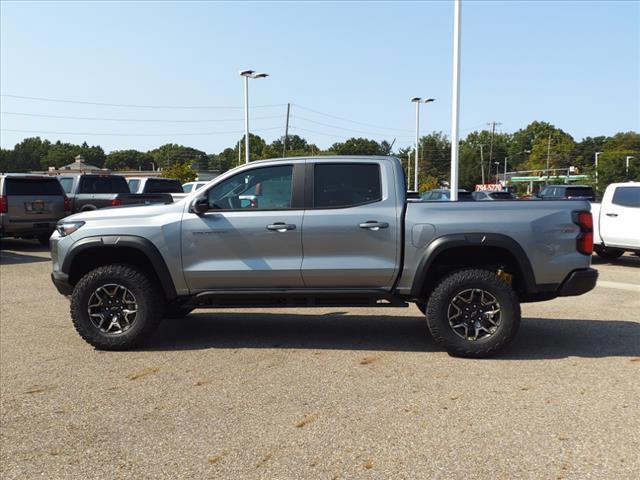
34 200
350 233
620 218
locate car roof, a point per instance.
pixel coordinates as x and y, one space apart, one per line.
327 158
25 175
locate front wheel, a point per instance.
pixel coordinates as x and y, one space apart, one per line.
473 313
116 307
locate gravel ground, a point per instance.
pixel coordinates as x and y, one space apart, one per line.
320 393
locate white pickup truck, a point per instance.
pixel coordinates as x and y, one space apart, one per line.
616 221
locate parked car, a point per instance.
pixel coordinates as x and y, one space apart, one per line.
567 192
327 231
154 185
192 186
488 196
89 191
30 206
616 221
443 195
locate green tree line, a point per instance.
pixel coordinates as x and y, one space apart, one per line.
529 148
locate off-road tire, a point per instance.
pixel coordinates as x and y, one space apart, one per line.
452 285
150 305
608 253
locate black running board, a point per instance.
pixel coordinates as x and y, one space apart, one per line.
239 298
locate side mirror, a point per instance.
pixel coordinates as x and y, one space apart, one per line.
200 206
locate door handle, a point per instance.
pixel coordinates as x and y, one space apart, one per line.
281 227
373 225
611 214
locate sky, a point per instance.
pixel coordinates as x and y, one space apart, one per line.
347 68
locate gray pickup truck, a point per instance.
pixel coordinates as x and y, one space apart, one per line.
91 191
321 232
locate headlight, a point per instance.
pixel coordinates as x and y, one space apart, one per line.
67 228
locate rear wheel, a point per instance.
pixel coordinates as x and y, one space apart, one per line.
473 313
116 307
608 253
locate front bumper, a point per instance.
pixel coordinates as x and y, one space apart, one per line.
61 281
578 282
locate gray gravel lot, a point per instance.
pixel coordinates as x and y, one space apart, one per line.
321 393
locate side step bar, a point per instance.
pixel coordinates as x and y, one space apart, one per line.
239 298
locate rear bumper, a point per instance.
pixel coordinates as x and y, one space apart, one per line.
61 281
578 282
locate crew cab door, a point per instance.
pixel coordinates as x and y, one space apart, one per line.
251 236
620 217
350 231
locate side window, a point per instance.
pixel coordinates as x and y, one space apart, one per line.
187 188
337 185
267 188
627 196
67 183
133 185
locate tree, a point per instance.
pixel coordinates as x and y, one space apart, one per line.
25 156
128 160
181 171
60 154
171 153
357 146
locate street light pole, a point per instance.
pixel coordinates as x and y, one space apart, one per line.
247 74
626 173
417 101
455 102
596 166
482 162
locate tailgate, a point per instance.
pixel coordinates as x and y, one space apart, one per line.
34 200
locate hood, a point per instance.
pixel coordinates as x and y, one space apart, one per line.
126 212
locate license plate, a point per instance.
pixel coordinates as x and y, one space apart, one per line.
37 206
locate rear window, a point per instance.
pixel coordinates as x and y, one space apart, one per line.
67 183
155 185
580 192
32 186
627 196
103 184
338 185
501 195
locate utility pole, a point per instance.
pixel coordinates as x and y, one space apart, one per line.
286 133
548 156
493 131
626 174
409 170
482 162
239 152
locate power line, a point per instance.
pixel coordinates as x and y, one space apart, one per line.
42 115
351 121
115 134
127 105
347 129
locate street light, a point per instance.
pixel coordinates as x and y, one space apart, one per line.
505 162
418 101
497 164
247 74
626 174
596 166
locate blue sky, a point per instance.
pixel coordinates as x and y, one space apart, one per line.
575 64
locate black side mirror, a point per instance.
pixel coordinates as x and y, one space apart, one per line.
200 206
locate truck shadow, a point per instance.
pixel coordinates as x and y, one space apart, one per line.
626 260
539 338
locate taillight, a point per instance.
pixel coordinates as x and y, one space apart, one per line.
67 204
4 208
584 242
116 202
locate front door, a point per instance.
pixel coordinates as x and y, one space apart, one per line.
250 237
350 232
620 218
